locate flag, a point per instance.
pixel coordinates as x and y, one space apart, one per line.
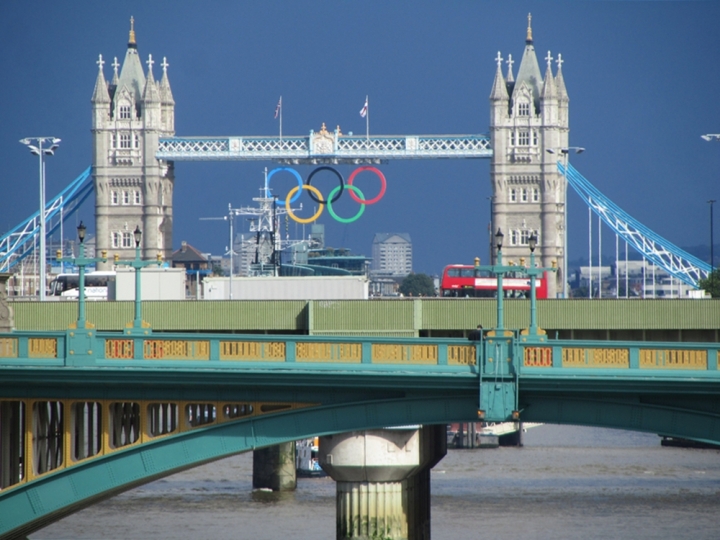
364 110
279 106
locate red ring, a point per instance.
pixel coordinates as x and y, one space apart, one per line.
379 175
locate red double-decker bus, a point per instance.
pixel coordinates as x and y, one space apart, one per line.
462 281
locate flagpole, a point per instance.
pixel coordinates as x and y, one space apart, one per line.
367 119
281 118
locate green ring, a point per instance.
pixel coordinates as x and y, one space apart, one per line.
334 215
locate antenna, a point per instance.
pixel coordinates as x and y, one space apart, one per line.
230 218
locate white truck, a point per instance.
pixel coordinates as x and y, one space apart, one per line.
156 283
286 288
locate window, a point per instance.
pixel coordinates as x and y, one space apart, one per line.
124 112
524 235
523 109
137 141
512 138
534 137
535 195
523 138
137 197
112 140
513 237
113 197
127 240
524 195
513 195
126 197
124 140
116 239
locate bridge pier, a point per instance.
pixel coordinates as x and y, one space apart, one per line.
383 480
274 467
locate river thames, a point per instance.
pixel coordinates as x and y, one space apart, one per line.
566 483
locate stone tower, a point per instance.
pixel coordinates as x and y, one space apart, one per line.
132 188
528 116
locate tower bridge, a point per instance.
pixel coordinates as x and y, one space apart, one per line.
135 149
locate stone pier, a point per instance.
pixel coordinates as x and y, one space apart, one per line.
274 467
383 480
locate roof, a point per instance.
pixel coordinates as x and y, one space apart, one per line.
384 237
187 253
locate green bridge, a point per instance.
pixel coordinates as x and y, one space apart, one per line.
89 412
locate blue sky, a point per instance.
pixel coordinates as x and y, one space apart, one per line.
642 77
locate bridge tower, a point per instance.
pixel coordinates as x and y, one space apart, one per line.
528 116
132 188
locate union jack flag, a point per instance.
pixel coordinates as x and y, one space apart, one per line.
364 110
279 106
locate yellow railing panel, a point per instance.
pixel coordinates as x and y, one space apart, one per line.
166 349
404 354
461 355
119 349
537 357
42 348
595 358
8 347
673 359
328 352
253 351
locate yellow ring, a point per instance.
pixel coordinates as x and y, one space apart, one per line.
314 190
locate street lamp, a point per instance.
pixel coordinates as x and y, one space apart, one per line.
138 264
499 236
38 150
81 262
565 151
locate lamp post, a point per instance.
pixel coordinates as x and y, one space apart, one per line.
38 150
81 262
499 236
565 152
712 254
138 264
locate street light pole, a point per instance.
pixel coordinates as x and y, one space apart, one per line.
138 264
38 150
565 152
81 262
712 242
500 292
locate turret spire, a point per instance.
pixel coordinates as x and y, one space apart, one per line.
499 90
131 40
510 63
528 38
100 94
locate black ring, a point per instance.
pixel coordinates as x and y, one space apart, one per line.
337 173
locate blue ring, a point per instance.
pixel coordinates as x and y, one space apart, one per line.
295 173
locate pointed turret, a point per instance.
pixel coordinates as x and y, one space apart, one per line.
100 94
529 71
510 62
151 94
560 81
165 92
116 77
548 90
131 76
499 89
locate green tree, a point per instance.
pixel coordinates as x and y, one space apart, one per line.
712 284
417 285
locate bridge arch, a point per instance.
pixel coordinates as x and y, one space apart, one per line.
32 506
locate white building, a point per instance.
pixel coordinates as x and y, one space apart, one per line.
132 188
528 116
392 254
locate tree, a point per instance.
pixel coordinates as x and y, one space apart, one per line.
712 283
417 285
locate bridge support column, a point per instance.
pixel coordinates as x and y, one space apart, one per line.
274 467
383 481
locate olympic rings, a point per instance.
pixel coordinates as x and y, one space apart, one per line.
288 200
341 186
379 175
331 199
295 173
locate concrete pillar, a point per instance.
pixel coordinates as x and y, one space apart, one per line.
274 467
383 480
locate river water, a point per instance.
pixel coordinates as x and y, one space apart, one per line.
567 482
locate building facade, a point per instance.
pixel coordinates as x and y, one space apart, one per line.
132 188
528 117
392 254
